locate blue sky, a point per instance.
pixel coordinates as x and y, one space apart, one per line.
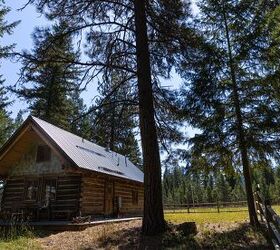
22 38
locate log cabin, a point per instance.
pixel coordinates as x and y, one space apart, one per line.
52 174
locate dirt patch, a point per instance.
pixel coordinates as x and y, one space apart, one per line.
127 235
98 237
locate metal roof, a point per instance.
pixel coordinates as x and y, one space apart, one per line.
88 155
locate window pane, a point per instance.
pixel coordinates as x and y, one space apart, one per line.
43 153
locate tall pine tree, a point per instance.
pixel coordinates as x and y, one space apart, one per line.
6 123
225 96
47 82
5 51
144 42
114 119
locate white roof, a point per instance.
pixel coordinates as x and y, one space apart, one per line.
88 155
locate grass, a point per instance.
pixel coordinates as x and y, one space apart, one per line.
210 215
18 239
201 218
224 230
208 209
127 235
20 243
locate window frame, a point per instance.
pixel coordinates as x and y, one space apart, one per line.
43 153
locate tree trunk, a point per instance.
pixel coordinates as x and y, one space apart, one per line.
153 221
240 133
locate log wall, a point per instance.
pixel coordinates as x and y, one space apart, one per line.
93 196
13 194
65 206
124 190
67 197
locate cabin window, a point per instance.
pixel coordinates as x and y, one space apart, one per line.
43 153
134 197
31 190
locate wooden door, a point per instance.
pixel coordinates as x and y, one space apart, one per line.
109 198
47 197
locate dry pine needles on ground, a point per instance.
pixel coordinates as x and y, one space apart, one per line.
128 236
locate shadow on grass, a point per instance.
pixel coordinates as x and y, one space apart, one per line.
241 237
183 236
13 232
174 238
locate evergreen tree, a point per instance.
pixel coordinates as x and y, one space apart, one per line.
275 192
225 96
52 80
80 123
223 188
6 124
5 120
114 120
126 30
18 120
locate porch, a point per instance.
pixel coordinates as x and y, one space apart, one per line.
64 225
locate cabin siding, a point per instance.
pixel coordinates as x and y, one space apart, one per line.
93 196
65 205
70 177
124 190
67 197
13 194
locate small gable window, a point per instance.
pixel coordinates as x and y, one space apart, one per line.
134 197
43 153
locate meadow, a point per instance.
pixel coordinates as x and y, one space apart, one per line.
216 230
211 215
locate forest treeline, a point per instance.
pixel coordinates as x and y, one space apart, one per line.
188 186
227 56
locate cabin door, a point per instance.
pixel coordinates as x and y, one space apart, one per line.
48 195
109 198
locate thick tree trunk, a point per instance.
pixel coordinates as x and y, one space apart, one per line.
240 133
245 161
153 221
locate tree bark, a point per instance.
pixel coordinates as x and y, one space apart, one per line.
240 133
153 221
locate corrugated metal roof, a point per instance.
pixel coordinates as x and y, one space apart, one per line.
90 156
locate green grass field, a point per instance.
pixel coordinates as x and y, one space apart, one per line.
210 215
22 239
20 243
202 216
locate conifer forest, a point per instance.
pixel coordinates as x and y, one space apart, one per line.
188 90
